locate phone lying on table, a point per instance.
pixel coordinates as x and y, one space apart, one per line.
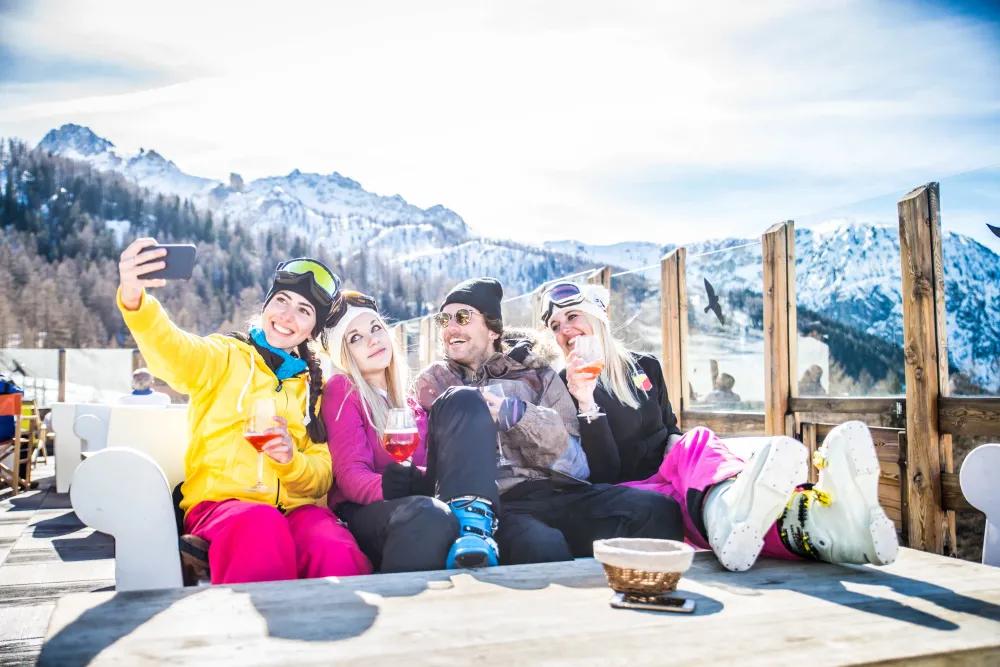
653 603
180 259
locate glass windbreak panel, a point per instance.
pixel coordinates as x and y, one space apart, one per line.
725 348
636 309
98 376
970 225
517 312
412 329
849 301
36 370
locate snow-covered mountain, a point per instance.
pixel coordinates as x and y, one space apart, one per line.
847 272
332 212
851 273
147 168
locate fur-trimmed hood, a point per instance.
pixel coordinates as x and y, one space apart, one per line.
531 347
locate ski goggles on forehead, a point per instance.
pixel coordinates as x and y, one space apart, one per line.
462 317
351 299
323 278
561 295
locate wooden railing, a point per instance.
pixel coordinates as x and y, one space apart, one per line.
913 433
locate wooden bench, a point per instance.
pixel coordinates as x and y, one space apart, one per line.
924 608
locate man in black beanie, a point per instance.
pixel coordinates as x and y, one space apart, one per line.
547 510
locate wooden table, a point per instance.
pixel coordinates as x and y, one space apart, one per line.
923 607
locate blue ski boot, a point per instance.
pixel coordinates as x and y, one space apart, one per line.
475 546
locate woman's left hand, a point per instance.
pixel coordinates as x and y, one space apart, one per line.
280 447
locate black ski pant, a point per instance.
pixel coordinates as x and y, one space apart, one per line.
554 520
415 532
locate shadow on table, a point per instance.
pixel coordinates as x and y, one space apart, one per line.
322 610
831 584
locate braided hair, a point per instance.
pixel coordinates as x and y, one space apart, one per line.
316 428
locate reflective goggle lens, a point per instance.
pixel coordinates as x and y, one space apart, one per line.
561 295
462 316
563 291
326 280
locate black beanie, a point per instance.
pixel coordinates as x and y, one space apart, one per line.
483 294
302 287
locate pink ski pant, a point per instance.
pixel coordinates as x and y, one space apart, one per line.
255 542
696 462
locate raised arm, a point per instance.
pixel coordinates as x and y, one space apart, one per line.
183 360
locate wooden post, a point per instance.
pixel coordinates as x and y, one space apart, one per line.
426 347
62 375
601 276
399 338
673 327
926 362
778 252
536 305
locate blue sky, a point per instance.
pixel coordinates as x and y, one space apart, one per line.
604 121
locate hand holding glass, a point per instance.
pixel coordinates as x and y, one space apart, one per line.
494 396
401 437
258 434
588 350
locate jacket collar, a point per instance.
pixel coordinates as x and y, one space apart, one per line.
497 366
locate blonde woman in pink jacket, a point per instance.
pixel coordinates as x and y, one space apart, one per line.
439 511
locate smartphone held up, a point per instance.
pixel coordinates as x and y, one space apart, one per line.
180 260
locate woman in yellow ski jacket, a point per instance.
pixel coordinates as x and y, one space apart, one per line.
263 521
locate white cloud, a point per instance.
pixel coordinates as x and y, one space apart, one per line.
529 118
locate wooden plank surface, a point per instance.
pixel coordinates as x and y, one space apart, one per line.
925 369
726 423
45 553
847 405
970 415
923 607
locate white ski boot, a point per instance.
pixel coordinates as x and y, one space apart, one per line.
739 512
840 520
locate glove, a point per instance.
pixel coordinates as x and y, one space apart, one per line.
520 350
399 481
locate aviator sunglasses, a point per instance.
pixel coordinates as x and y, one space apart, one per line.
462 316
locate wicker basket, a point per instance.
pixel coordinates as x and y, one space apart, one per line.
643 566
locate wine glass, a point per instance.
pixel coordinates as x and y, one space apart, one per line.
588 351
262 413
496 392
401 436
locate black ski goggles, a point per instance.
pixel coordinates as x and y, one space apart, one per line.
324 284
348 299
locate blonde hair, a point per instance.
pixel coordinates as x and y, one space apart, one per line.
397 381
619 365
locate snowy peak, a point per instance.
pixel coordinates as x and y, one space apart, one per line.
146 168
150 169
75 141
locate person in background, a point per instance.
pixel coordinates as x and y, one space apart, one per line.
736 507
437 512
283 530
142 390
